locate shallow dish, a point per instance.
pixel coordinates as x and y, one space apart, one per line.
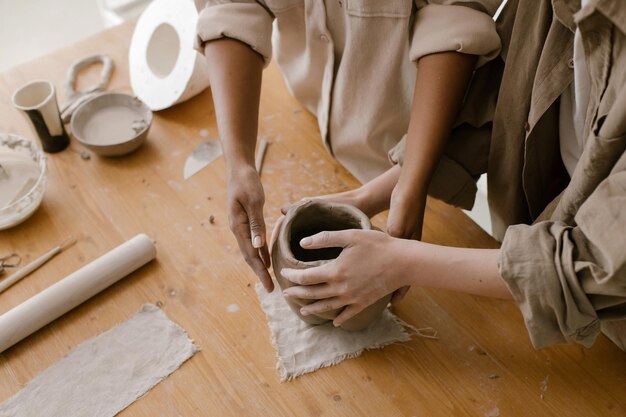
112 124
26 201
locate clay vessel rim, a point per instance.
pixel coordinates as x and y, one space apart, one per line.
285 233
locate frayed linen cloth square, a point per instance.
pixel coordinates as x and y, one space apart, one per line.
105 374
302 348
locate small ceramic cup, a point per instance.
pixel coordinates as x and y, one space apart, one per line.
37 100
306 219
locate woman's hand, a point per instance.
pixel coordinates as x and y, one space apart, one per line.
440 86
245 218
236 91
405 221
406 213
371 265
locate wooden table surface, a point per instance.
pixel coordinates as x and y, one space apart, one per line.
482 365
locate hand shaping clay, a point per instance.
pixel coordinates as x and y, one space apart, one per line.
306 219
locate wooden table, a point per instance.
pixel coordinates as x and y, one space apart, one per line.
482 365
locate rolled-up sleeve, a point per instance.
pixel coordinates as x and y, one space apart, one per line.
566 279
396 154
454 25
249 22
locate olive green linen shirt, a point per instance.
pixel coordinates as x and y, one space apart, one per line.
563 253
352 62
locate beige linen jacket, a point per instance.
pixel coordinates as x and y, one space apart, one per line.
564 258
567 272
356 71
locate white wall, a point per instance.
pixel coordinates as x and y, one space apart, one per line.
480 212
31 28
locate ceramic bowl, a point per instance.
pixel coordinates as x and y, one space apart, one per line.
112 124
15 212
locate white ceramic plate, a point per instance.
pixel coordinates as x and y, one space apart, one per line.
27 199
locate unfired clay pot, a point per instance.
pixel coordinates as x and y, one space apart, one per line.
306 219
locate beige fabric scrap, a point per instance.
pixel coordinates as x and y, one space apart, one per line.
105 374
302 348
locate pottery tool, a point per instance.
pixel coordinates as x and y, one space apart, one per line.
61 297
260 155
27 185
4 174
10 261
205 153
105 374
17 276
76 98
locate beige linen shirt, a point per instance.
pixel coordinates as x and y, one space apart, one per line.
352 62
568 270
564 250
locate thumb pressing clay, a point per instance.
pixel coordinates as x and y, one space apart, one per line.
307 219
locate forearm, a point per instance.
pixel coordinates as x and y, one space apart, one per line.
440 86
235 76
473 271
374 196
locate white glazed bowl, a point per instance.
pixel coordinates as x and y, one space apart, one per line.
112 124
20 210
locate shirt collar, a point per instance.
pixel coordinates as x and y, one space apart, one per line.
564 11
568 12
614 11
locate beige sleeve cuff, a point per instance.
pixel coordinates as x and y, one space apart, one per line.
442 28
450 182
396 154
249 23
537 264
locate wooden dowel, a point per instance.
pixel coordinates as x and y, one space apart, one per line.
260 155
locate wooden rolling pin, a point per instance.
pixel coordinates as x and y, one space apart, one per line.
78 287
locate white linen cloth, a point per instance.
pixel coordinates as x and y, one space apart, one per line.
105 374
302 348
